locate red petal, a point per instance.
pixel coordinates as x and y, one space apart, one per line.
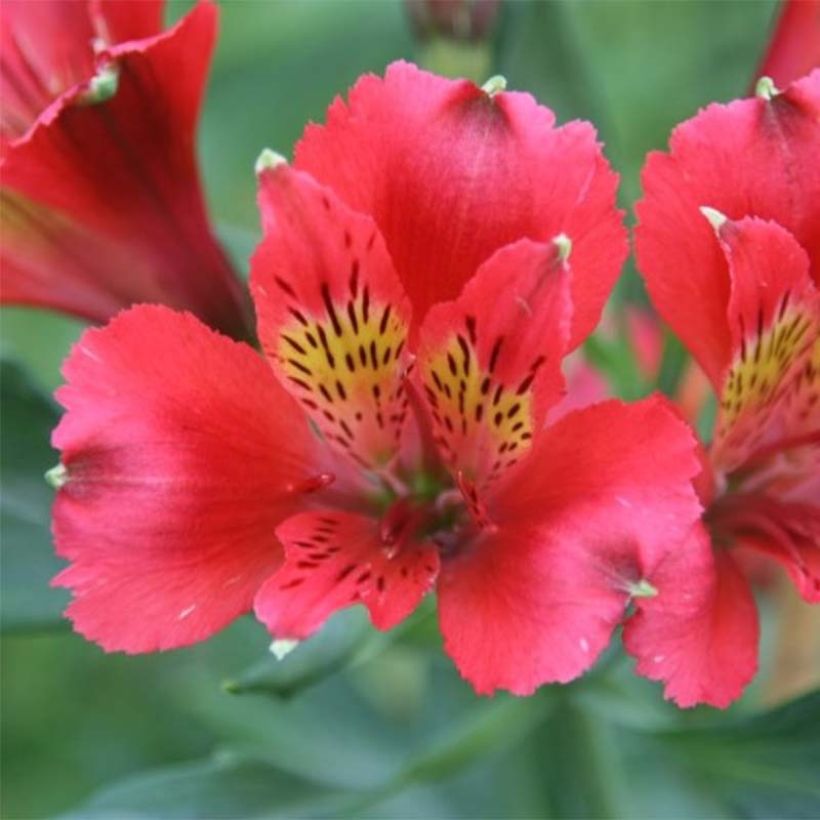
180 449
47 49
118 21
783 523
774 324
451 175
121 174
605 495
699 634
794 49
335 559
490 362
753 157
332 316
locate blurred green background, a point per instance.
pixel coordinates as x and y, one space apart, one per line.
355 724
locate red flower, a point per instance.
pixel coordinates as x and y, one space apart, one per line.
415 307
742 295
794 49
101 197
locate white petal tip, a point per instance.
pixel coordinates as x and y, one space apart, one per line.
642 589
101 87
268 159
280 649
766 89
563 244
57 476
495 85
716 219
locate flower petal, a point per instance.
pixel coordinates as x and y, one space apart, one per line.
451 174
47 49
121 170
182 454
118 21
699 634
490 362
332 315
753 157
794 49
605 495
335 559
774 324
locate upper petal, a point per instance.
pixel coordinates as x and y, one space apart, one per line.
753 157
489 363
332 315
773 318
605 495
182 454
451 175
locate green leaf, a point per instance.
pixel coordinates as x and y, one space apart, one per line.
489 729
225 785
28 560
334 648
760 765
345 642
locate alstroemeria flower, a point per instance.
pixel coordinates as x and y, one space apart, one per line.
101 199
729 244
414 311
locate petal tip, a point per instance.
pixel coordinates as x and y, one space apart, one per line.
282 647
495 85
267 160
765 88
716 219
57 476
563 246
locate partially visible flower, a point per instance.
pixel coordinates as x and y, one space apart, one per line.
396 439
794 48
729 244
101 200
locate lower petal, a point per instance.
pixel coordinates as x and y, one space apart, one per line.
180 455
699 634
336 559
577 527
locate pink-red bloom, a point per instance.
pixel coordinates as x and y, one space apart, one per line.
102 204
415 295
729 244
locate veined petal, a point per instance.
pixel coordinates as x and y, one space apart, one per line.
332 316
451 174
754 157
335 559
604 497
181 455
490 362
120 167
794 49
699 634
774 325
118 21
47 49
